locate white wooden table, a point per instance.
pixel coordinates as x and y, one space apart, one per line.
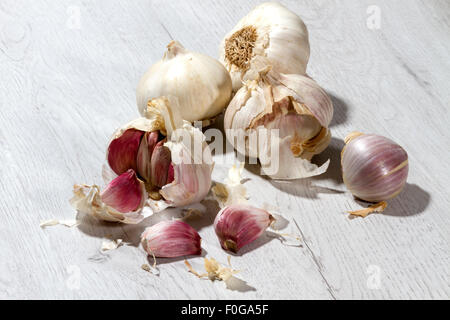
68 72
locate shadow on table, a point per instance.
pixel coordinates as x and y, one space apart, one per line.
340 113
413 200
226 146
131 233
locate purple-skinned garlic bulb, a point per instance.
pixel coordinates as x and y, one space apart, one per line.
374 169
239 224
170 239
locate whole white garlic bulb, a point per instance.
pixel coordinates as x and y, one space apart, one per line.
153 163
300 111
272 31
201 84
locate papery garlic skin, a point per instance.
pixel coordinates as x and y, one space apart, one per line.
271 31
293 104
239 224
170 239
201 84
374 168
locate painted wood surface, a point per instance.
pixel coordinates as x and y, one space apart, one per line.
68 73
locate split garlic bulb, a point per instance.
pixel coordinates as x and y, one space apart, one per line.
156 162
201 84
272 31
296 107
374 168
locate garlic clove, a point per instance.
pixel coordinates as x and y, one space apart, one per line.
123 150
160 164
124 193
239 224
144 154
169 239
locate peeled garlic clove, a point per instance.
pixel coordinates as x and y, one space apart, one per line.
240 224
271 31
374 168
201 83
124 193
144 154
160 164
284 120
122 151
169 239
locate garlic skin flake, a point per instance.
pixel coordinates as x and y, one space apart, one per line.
272 31
232 191
239 224
293 106
201 84
374 168
170 239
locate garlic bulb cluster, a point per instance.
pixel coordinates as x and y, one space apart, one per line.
288 116
239 224
271 31
170 239
201 84
374 168
154 164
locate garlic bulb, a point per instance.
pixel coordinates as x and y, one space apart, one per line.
272 31
201 84
239 224
155 164
374 168
282 119
170 239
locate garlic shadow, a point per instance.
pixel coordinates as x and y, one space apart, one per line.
340 113
99 228
413 200
226 146
265 238
304 188
236 284
163 261
332 152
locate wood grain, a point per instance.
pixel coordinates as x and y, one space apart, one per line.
66 84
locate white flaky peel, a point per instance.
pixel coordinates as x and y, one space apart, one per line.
272 31
232 191
287 116
201 84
